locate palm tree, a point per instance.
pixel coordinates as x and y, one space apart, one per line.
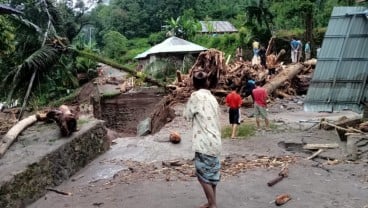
49 51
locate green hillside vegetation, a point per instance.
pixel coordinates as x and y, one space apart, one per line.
40 48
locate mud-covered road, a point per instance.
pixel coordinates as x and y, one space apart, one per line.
149 172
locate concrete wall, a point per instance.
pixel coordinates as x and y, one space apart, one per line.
123 112
42 159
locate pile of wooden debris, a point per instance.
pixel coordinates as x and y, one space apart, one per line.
286 80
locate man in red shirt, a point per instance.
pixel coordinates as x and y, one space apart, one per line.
234 101
260 105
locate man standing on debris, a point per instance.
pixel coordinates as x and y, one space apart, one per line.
255 59
203 110
294 50
300 50
262 55
250 85
234 101
260 105
307 51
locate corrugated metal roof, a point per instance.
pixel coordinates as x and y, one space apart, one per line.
172 45
217 27
340 80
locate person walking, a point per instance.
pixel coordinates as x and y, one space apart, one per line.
260 105
294 50
233 101
307 51
202 110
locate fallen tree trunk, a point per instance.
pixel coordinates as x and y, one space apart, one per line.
112 63
311 62
285 75
13 133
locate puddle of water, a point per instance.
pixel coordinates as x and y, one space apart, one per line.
292 147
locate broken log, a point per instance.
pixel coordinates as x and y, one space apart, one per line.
301 83
282 94
212 62
311 62
315 154
349 129
271 42
178 76
13 133
282 174
320 146
59 192
280 54
285 75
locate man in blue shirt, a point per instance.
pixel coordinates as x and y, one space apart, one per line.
294 50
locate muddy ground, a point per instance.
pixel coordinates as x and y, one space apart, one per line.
136 171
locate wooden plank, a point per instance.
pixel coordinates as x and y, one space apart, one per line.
315 154
320 146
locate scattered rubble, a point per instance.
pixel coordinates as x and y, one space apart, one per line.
183 169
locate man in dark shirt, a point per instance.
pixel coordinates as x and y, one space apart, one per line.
262 55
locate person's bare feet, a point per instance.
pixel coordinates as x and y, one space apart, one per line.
204 205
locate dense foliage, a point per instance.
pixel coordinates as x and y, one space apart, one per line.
123 28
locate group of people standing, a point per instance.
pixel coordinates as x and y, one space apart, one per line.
259 54
297 50
202 109
234 101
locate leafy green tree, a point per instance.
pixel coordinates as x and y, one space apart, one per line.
184 26
40 45
259 15
156 38
115 45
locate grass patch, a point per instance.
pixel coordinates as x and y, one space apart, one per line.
80 122
72 96
245 130
108 95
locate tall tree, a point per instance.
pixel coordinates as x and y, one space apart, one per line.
258 12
